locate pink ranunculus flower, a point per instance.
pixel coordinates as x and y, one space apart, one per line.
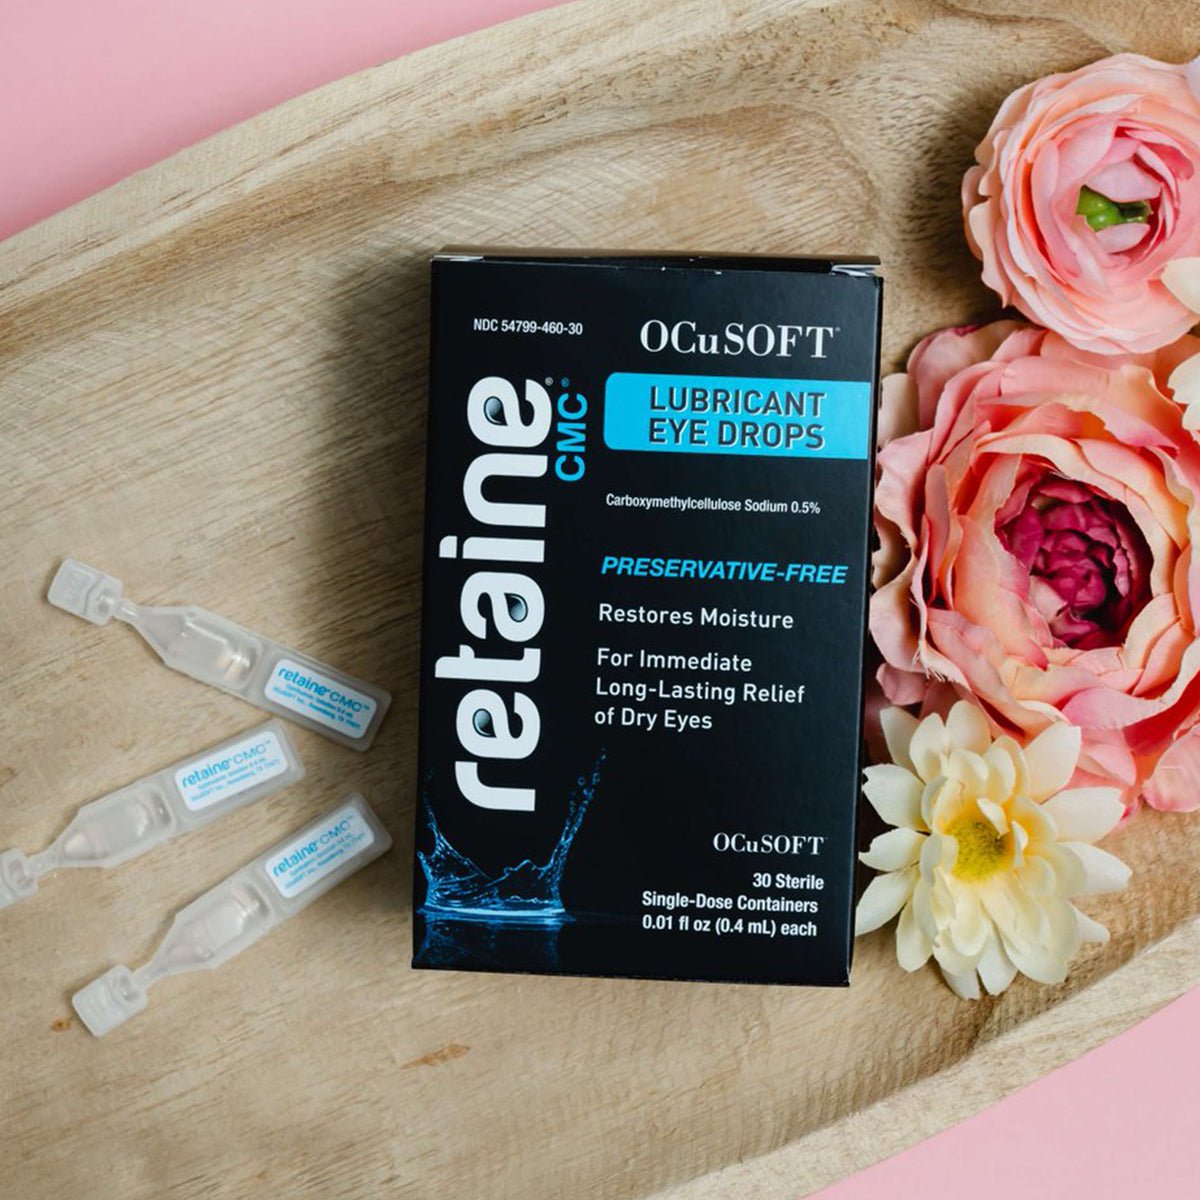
1036 508
1085 203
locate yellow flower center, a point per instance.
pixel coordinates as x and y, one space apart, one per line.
981 850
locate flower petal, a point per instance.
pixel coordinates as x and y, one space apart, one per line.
884 897
970 929
1124 182
968 769
1039 964
895 794
1038 877
993 813
1068 870
1084 814
898 729
1051 759
894 850
964 986
929 743
1175 784
1117 238
968 729
938 854
913 948
1184 380
1020 841
1045 960
996 969
1181 277
1089 930
936 795
901 687
1002 774
897 408
1102 872
922 907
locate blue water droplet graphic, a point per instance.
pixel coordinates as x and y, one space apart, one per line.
527 893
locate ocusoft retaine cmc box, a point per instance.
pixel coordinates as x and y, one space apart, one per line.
649 497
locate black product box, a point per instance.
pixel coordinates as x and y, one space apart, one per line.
646 559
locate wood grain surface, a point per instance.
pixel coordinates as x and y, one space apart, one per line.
212 385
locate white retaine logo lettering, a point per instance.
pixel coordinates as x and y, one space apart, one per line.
497 600
762 341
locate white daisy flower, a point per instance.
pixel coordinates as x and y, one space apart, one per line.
988 852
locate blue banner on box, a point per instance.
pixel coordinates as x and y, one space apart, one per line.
718 414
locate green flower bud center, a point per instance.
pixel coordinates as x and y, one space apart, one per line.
981 850
1100 212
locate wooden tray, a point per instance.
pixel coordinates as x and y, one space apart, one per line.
212 384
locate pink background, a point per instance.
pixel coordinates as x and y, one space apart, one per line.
91 91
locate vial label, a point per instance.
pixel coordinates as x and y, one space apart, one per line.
319 850
320 698
231 770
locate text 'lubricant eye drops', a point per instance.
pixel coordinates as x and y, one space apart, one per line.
249 904
216 651
644 620
175 800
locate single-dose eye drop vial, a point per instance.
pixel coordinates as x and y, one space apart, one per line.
647 532
214 650
175 800
232 916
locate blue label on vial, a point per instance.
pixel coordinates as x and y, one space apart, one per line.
319 850
230 771
327 701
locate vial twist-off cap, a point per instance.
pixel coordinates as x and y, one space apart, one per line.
85 592
17 879
110 1001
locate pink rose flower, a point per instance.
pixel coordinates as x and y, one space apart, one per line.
1085 203
1036 509
1088 563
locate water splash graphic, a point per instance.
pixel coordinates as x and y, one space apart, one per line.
526 894
472 944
